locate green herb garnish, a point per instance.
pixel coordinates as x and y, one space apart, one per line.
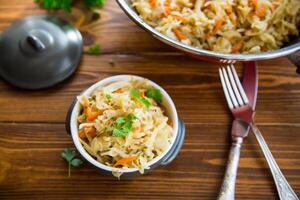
111 62
108 96
122 126
94 49
136 94
69 155
94 3
154 94
131 117
55 4
66 5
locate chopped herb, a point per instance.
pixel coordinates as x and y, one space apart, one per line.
154 94
94 49
69 155
136 94
112 63
94 3
131 117
122 126
55 4
66 5
120 120
145 102
108 97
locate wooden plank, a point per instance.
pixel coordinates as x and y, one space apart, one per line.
31 166
193 84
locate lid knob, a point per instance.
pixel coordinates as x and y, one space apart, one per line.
35 43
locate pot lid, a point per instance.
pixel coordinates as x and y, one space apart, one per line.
39 51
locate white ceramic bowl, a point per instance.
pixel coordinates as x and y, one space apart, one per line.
164 158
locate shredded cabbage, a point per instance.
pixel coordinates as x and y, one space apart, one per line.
146 135
229 26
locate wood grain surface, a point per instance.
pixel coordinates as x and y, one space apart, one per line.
32 133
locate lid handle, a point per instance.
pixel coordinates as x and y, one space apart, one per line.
35 43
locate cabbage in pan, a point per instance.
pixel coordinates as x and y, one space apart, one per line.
123 125
229 26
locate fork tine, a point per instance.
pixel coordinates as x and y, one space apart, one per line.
229 88
225 89
239 85
235 89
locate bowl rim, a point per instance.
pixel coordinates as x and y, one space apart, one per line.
74 124
223 57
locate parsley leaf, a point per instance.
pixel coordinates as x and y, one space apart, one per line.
154 94
111 62
69 155
56 4
94 3
119 132
120 120
94 49
66 5
108 96
122 126
136 94
76 162
131 117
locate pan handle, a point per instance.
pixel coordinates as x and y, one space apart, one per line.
295 58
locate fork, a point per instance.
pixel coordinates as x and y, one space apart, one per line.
239 105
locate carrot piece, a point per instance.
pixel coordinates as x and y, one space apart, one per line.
120 90
88 130
254 3
264 49
261 11
231 14
167 3
167 10
92 115
82 134
180 18
252 14
152 3
137 130
208 35
88 112
229 9
218 25
91 131
142 93
124 161
170 122
179 34
236 48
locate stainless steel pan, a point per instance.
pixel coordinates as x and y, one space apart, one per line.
292 50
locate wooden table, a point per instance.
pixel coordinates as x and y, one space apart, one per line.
32 129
